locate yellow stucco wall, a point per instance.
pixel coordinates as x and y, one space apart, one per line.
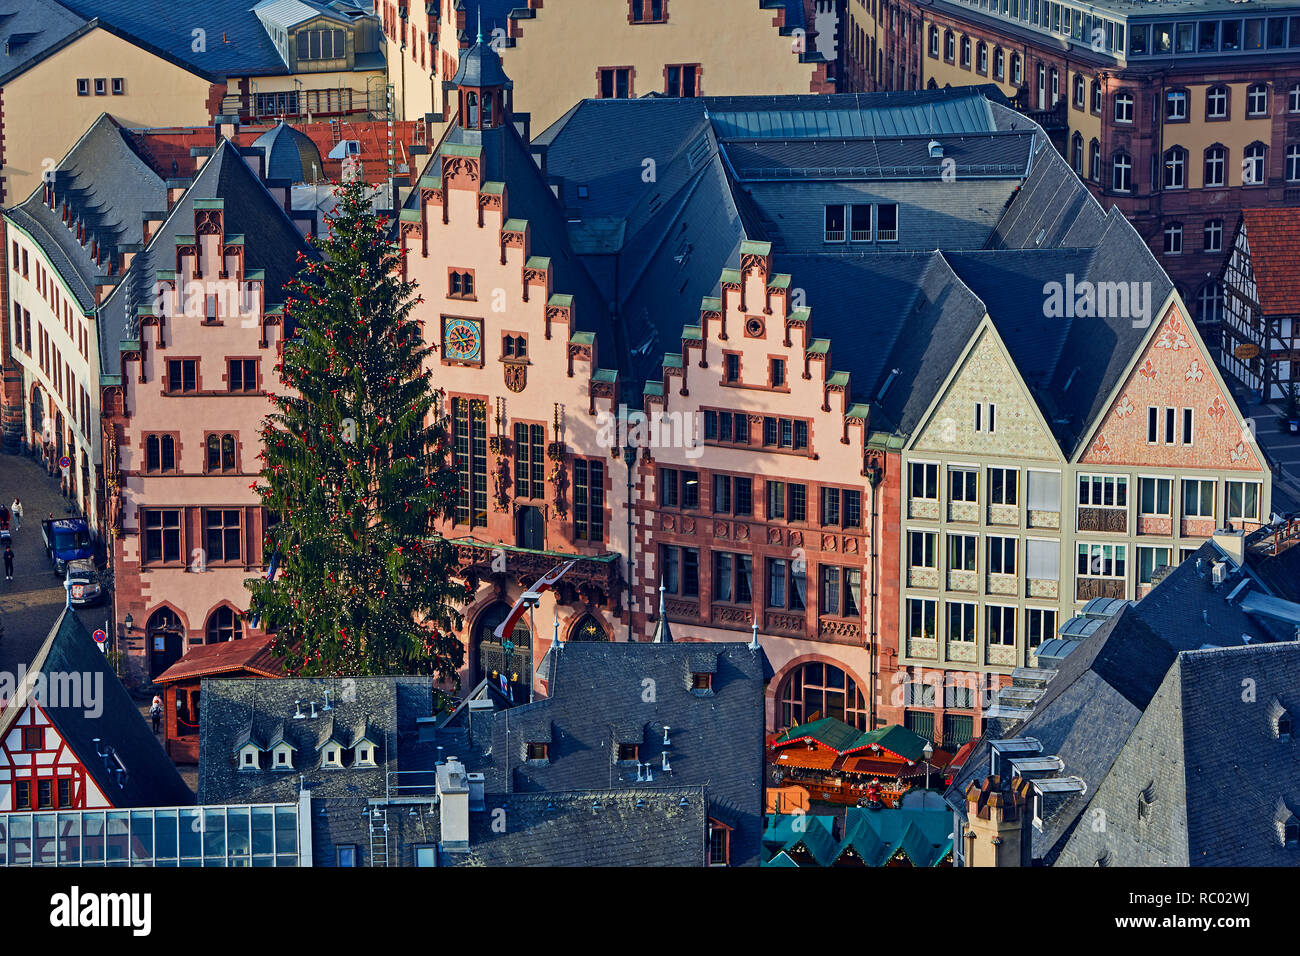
44 116
554 63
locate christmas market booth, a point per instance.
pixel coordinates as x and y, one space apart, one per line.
838 763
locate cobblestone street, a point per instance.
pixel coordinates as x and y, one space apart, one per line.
31 602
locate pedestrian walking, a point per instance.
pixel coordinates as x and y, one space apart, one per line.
16 509
9 563
155 712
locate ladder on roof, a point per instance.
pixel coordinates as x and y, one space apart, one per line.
336 132
379 836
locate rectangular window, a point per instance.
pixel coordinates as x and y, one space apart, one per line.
831 507
921 617
923 480
683 80
33 738
835 216
775 500
681 570
182 375
1042 560
1103 491
742 493
1153 496
731 367
648 11
1044 491
798 502
961 622
776 372
962 484
83 87
722 494
852 509
1187 426
1040 625
1243 501
1003 486
690 489
1102 561
615 83
1001 626
162 536
223 534
589 499
1150 559
921 549
961 552
1198 498
469 453
887 222
243 375
1002 555
530 461
668 487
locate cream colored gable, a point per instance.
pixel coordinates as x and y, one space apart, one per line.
986 375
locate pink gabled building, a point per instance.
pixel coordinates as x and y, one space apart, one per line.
515 321
189 342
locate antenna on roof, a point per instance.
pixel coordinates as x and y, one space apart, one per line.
480 23
326 705
555 641
298 715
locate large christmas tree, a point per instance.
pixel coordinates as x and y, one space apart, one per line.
355 468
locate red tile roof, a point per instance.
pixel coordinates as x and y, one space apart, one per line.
251 654
1274 236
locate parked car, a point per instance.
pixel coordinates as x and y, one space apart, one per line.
66 539
86 588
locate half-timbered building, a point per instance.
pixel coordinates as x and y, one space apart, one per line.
1261 317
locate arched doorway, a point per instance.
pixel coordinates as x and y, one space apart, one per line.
37 417
588 629
492 659
165 638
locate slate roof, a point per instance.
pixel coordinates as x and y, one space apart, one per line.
107 187
1274 237
597 692
252 654
290 154
30 29
1090 709
272 244
646 827
1280 572
105 713
236 42
265 709
480 66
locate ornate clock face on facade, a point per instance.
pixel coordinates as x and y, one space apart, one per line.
462 341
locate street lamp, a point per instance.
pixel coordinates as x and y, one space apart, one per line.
927 752
629 459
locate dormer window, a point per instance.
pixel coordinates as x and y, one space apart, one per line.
331 756
283 759
248 757
363 753
536 752
1291 833
627 753
1284 728
702 682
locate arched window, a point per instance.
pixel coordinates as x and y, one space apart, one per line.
224 625
999 64
949 46
1253 164
1216 165
588 629
1076 152
1017 69
496 659
1209 303
1216 102
817 690
221 452
965 53
1293 98
1257 99
934 41
1094 160
931 84
487 109
471 104
1121 168
982 58
1096 96
1175 168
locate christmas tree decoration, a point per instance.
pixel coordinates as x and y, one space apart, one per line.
362 585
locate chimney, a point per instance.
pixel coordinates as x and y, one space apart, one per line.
995 824
1232 543
453 800
227 126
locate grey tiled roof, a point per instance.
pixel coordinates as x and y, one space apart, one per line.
715 739
29 29
1090 709
104 719
107 187
646 827
264 708
271 240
